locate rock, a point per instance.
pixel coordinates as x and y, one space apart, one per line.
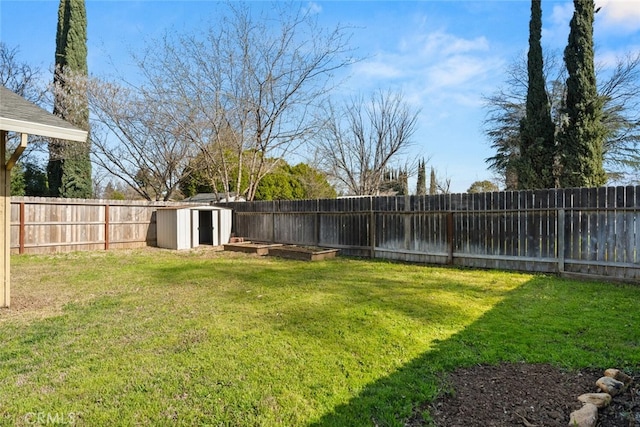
609 385
587 416
617 374
557 415
599 399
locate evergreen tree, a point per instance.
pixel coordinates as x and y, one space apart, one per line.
537 130
17 180
582 139
314 182
111 192
28 179
69 168
394 182
433 184
35 180
421 185
485 186
403 178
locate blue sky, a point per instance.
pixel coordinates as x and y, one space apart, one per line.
444 55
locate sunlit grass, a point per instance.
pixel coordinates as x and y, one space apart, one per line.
155 337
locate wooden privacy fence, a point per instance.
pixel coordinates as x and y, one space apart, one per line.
44 225
585 231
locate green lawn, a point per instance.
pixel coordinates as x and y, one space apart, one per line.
155 337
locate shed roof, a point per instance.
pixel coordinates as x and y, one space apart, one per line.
19 115
215 198
193 208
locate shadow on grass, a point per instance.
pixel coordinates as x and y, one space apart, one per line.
333 310
569 324
547 320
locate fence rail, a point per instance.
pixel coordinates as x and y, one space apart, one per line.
45 225
594 231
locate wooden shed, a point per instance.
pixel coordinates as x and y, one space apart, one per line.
24 118
186 227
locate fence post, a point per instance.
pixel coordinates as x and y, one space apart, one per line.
21 230
450 233
106 227
406 222
372 231
560 223
316 224
273 222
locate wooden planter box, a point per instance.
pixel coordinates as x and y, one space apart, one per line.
257 248
305 253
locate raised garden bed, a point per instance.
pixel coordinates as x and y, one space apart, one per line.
257 248
305 253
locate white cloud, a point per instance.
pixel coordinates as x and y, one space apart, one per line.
433 68
607 59
555 34
562 14
469 100
445 75
448 44
455 71
378 69
314 8
620 14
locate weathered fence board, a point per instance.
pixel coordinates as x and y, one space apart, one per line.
594 231
580 231
45 225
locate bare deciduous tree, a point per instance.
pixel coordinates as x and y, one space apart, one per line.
361 140
20 77
246 89
26 81
137 139
240 95
621 117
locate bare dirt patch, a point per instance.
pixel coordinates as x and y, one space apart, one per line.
31 303
525 395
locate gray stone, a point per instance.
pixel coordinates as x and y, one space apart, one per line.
617 374
587 416
599 399
609 385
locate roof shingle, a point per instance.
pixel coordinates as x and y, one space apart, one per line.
19 115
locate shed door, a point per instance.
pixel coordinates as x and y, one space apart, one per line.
205 231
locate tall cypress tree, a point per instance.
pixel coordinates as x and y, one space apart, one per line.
403 177
433 184
537 131
421 185
582 139
69 168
